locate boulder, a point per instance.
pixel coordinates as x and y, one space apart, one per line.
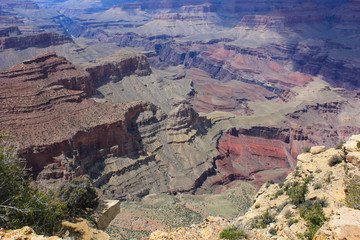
317 149
344 224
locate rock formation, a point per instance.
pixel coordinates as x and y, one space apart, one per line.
23 234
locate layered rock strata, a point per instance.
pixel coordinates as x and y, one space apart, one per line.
126 148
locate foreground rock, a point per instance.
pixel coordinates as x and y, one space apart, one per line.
344 224
25 233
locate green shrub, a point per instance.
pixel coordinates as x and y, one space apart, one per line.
279 193
297 193
308 179
232 233
270 182
296 172
263 220
272 231
21 203
352 190
282 206
291 222
78 195
322 202
288 214
358 145
334 160
314 216
257 206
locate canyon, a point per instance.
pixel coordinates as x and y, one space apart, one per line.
185 98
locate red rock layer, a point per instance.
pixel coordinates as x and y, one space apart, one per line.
246 152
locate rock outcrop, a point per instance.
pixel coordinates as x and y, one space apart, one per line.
344 224
115 67
25 233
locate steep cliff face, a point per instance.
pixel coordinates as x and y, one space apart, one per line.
37 40
117 66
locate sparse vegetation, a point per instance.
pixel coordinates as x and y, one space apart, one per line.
334 160
21 203
296 172
263 220
279 193
314 216
270 182
273 231
79 195
297 193
353 192
288 214
232 233
291 222
358 144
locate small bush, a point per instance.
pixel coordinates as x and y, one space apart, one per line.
296 172
263 220
313 214
79 195
297 193
21 203
358 145
352 190
281 185
273 231
291 222
308 179
322 202
232 233
334 160
270 182
281 207
279 193
288 214
257 206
